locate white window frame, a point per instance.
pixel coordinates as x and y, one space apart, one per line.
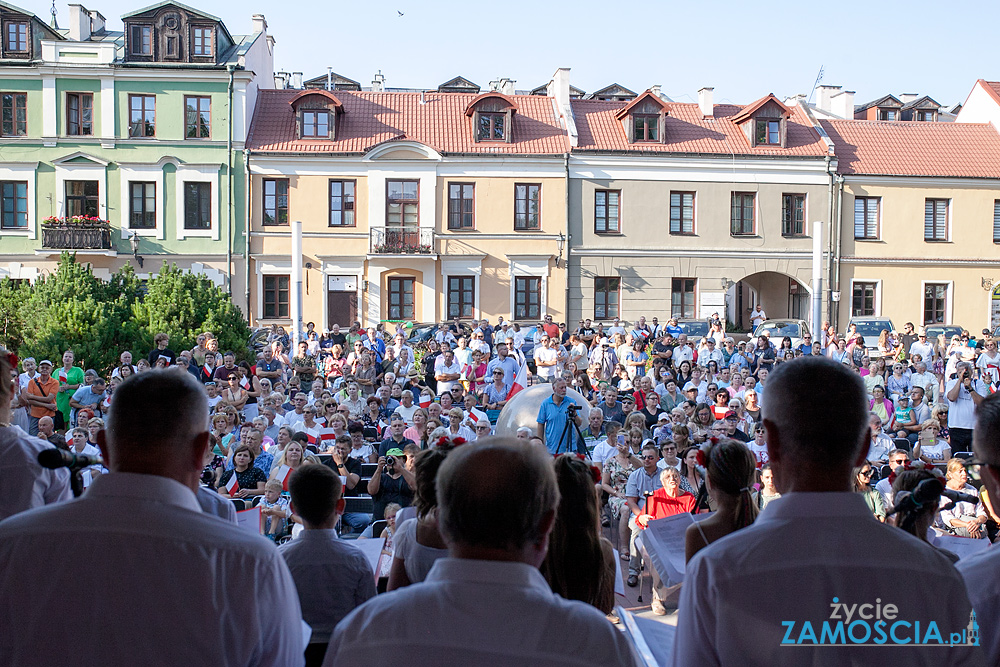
949 299
463 267
878 295
145 173
22 171
198 173
272 268
529 266
97 170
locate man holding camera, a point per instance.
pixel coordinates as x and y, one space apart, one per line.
964 393
391 483
554 416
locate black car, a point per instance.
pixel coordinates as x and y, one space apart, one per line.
421 333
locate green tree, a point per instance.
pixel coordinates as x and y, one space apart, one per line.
13 294
72 309
182 305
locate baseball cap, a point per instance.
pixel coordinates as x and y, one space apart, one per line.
395 451
689 386
44 361
730 413
663 416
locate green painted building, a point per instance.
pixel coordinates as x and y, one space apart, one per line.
142 128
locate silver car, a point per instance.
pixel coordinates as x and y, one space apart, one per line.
778 329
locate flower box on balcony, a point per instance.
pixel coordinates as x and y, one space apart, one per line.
76 233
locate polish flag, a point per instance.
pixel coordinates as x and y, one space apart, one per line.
520 380
233 485
282 475
425 401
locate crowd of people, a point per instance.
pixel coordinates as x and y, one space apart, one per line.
672 425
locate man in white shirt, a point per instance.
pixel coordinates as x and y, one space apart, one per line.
154 581
924 379
897 457
964 393
332 576
491 605
879 444
546 360
406 408
981 572
818 554
616 328
758 316
921 346
682 352
447 371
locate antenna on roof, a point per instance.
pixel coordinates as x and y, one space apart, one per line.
819 77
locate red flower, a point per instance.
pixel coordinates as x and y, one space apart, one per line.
701 458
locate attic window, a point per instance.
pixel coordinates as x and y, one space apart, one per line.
888 114
141 40
17 36
645 127
491 126
930 116
492 117
315 124
201 42
768 132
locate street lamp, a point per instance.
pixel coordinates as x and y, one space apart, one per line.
134 240
560 243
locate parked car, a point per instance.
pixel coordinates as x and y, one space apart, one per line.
694 328
778 329
420 333
870 328
949 330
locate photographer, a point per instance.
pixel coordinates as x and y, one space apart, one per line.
390 483
964 392
554 417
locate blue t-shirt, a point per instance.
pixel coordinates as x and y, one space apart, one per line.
555 417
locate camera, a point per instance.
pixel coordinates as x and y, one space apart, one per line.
571 409
390 461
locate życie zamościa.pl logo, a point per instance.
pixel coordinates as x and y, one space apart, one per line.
875 624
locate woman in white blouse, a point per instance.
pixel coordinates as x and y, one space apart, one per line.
964 519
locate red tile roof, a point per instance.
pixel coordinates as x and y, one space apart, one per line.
912 148
688 132
370 119
991 87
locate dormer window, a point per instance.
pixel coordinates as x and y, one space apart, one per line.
491 126
315 124
16 37
768 132
201 42
645 127
141 40
492 117
888 114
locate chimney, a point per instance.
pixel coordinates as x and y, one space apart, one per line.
559 87
281 80
842 104
706 101
823 96
259 23
507 86
97 22
79 23
296 80
378 83
906 98
655 90
329 78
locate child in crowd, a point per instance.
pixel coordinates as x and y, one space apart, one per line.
385 560
275 509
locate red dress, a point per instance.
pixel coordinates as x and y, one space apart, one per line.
660 505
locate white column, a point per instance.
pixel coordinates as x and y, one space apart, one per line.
107 112
817 278
296 296
50 127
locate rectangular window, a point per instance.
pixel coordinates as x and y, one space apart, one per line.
342 204
682 297
13 205
276 296
867 211
935 301
461 206
141 40
275 201
682 213
527 206
996 220
768 132
197 117
82 198
461 294
606 211
400 298
142 205
315 124
402 203
527 298
935 219
491 127
607 293
197 205
201 42
645 127
17 36
742 220
926 115
79 114
888 114
863 300
793 215
14 114
142 116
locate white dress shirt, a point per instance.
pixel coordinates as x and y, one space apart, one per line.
148 579
332 577
982 581
474 612
26 484
804 551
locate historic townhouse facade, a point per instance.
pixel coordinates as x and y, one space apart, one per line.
141 128
414 206
919 222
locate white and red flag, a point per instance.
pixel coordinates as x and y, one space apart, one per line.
282 475
520 380
233 485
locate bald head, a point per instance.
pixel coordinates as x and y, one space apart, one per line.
499 494
156 410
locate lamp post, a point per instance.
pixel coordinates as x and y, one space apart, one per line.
134 241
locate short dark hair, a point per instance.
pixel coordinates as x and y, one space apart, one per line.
301 436
315 491
986 435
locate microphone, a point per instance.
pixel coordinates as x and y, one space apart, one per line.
60 458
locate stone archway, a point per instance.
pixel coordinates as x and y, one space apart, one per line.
781 296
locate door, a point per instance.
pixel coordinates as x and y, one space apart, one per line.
341 301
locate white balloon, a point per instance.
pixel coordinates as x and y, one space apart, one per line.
522 410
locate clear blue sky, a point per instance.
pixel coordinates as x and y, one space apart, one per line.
744 49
